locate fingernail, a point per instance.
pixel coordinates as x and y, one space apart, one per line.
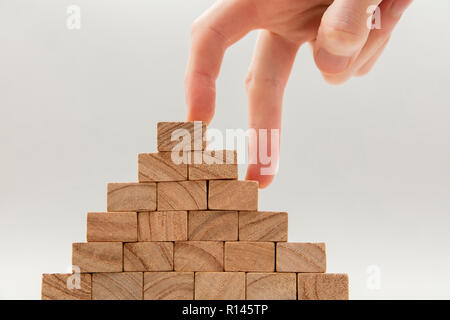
330 63
399 7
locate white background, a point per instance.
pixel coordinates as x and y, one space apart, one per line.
365 166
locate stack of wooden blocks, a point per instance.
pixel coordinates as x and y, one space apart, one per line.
192 231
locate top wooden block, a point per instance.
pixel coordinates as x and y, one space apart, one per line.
155 167
131 197
181 135
233 195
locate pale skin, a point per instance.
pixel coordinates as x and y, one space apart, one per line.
342 44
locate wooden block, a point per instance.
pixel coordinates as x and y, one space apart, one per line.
184 195
250 256
263 226
98 256
131 197
112 226
168 286
198 256
271 286
301 257
233 195
213 165
320 286
162 226
66 287
154 167
117 286
181 135
148 256
213 225
219 286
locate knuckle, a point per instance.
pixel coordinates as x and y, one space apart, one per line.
253 82
202 30
344 36
248 80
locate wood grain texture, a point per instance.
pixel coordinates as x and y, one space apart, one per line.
55 287
233 195
117 286
219 286
213 225
271 286
148 256
98 256
184 195
213 165
250 256
153 167
301 257
168 286
131 197
320 286
191 135
198 256
112 226
263 226
162 226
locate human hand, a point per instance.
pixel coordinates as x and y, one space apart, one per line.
343 46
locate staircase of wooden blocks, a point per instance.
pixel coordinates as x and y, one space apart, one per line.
191 231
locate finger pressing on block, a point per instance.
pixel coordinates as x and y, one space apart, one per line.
162 226
184 195
117 286
66 286
321 286
301 257
250 256
148 256
168 286
219 286
213 165
153 167
198 256
112 226
98 256
233 195
263 226
181 136
131 197
271 286
213 225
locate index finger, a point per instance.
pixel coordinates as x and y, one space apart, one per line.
223 24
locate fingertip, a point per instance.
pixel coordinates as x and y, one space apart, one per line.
335 80
364 70
254 174
197 113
